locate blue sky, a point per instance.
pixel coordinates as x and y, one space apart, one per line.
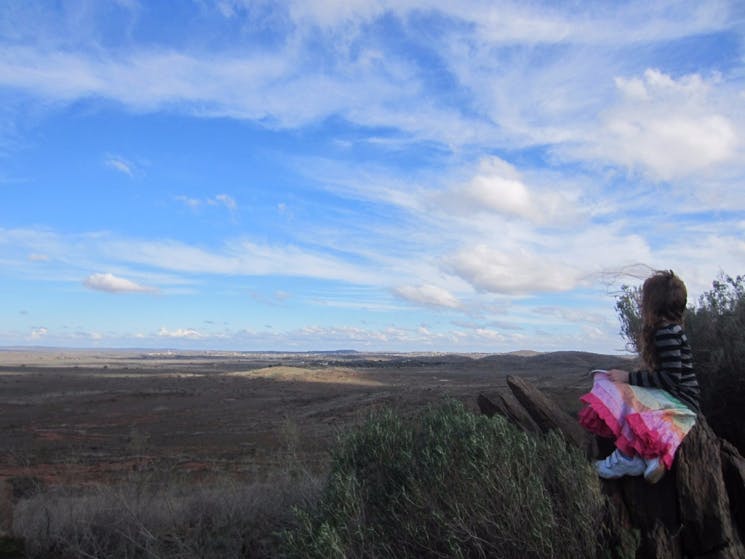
373 175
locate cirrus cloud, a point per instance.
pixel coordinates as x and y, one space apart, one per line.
119 164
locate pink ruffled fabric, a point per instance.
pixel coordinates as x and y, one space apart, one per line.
649 422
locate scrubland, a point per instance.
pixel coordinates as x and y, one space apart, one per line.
136 454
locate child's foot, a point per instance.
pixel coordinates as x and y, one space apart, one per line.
654 470
619 465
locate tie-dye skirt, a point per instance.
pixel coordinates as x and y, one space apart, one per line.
649 422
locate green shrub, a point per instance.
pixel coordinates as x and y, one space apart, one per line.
450 483
716 330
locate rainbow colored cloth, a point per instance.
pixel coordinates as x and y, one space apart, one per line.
649 422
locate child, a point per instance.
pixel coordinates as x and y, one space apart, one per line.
648 412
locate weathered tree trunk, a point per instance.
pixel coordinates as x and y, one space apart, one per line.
696 511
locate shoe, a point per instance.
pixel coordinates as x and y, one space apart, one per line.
654 470
618 465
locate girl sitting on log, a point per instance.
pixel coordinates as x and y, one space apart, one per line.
648 412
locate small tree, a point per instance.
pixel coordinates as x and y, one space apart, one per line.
717 331
628 305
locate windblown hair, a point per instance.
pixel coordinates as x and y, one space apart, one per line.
664 297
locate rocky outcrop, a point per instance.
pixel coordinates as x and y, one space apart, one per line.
704 505
733 472
696 511
545 412
496 404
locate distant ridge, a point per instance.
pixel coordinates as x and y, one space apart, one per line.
524 353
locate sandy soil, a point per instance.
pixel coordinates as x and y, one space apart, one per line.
75 417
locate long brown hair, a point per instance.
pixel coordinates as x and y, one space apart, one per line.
664 297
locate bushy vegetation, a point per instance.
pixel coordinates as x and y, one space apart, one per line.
715 326
445 483
450 483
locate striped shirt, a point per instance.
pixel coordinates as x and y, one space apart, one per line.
675 373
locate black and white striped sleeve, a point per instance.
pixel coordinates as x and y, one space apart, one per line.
675 373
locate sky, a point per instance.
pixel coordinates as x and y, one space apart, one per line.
417 175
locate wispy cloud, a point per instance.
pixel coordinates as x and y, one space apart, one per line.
234 257
119 164
192 203
223 200
375 84
227 201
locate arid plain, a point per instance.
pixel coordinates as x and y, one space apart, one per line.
80 417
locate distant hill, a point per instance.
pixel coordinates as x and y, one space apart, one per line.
524 353
555 361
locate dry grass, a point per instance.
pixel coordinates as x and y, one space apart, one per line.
147 517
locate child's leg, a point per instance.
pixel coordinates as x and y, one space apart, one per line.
618 464
654 469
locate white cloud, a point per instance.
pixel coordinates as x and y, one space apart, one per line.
119 164
498 187
510 23
573 315
668 127
490 335
240 257
224 200
227 201
492 270
498 227
321 337
192 203
428 295
234 257
514 22
529 96
37 257
113 284
188 333
38 333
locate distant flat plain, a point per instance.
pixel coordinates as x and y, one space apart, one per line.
89 416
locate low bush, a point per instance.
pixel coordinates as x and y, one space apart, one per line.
450 483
